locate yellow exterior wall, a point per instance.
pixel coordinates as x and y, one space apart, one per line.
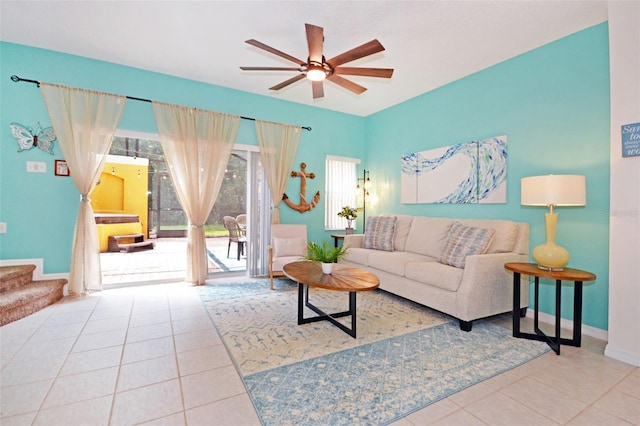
122 189
109 195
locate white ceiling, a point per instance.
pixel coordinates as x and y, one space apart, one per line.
429 43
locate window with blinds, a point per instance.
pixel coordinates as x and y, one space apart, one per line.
340 184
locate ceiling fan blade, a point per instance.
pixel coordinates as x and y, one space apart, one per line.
367 72
318 89
270 49
347 84
315 38
361 51
270 69
288 82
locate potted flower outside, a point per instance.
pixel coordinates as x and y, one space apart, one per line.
349 213
325 254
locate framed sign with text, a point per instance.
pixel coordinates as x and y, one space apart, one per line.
631 140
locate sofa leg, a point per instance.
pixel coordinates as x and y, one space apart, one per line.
466 325
523 312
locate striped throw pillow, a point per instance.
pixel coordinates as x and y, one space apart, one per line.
379 233
464 241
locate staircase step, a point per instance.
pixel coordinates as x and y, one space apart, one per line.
29 298
12 277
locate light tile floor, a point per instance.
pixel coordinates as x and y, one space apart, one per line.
150 355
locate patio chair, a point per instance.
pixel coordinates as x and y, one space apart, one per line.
242 223
235 235
288 244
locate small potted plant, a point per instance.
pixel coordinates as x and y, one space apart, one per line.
325 254
349 213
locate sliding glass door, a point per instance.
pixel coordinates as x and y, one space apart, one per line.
243 191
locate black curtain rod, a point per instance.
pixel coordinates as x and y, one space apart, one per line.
17 79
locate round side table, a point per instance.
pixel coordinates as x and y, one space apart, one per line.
567 274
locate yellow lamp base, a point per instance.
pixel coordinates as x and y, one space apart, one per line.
551 257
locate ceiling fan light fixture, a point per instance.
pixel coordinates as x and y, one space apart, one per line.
317 69
316 73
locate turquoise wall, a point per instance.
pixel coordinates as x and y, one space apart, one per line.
40 209
553 105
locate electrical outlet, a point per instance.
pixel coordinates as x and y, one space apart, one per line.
36 167
3 227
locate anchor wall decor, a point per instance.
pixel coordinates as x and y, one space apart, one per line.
303 206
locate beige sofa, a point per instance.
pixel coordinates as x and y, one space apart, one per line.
414 269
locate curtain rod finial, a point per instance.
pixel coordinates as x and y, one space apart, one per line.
17 79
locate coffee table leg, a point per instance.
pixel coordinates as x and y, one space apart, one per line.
300 303
303 300
352 310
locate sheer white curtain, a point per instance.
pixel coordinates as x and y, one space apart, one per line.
278 147
84 122
197 145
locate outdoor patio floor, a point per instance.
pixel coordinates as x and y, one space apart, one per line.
166 262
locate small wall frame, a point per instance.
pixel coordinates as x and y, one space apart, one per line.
61 168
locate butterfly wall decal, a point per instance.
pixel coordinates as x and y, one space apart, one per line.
28 138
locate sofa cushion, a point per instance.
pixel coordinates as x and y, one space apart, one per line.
504 240
403 226
358 255
428 235
283 247
435 274
395 262
379 233
465 241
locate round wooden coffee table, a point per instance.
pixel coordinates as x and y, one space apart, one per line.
342 278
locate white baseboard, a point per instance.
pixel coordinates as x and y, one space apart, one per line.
38 273
568 324
622 355
609 351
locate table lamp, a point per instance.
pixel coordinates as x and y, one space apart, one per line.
552 191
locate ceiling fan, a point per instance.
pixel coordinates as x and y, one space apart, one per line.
316 68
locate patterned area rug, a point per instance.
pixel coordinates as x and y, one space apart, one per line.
260 326
405 357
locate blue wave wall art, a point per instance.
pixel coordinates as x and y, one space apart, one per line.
470 172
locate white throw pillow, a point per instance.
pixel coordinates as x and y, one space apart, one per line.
289 247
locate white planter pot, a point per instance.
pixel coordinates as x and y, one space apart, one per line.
327 268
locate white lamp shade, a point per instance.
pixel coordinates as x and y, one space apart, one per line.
556 190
